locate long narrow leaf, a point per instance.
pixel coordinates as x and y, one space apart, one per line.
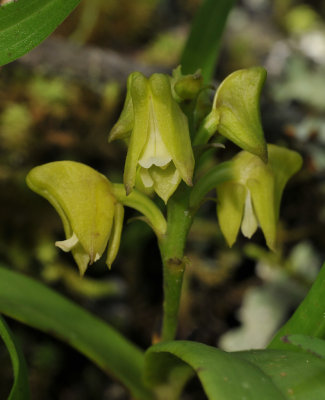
20 388
203 44
40 307
309 317
26 23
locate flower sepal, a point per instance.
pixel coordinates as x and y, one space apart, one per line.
87 206
237 102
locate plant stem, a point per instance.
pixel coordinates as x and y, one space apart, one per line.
179 220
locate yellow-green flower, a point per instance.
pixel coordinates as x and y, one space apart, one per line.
235 112
159 145
90 214
252 198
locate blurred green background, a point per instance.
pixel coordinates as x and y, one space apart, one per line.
60 101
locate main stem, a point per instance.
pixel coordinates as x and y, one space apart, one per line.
179 220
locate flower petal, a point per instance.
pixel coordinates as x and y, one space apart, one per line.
262 192
258 178
114 243
165 180
139 92
284 164
230 207
124 125
173 126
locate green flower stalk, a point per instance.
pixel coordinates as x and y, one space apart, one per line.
156 129
252 198
89 211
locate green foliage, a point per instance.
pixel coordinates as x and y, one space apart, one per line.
202 47
257 374
297 375
26 23
35 305
222 375
234 376
20 388
309 343
309 317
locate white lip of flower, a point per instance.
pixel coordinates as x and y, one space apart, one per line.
68 244
155 152
249 222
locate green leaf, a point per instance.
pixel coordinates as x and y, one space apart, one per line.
20 388
309 317
309 343
202 48
166 374
299 376
34 304
263 374
26 23
223 375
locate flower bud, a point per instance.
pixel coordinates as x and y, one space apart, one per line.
186 87
159 146
89 211
252 198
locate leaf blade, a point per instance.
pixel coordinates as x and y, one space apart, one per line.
202 47
298 375
223 375
36 305
308 319
20 388
311 344
258 374
26 23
